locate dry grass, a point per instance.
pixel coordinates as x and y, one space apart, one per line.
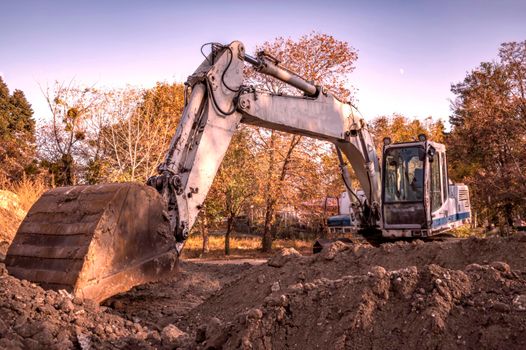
466 231
28 191
240 247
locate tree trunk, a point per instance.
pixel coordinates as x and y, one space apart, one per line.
227 234
204 232
268 234
68 178
508 210
267 229
266 243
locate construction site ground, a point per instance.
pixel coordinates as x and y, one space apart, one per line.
461 294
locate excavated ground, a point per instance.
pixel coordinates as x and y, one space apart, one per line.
443 295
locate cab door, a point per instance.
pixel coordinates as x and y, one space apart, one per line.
403 187
438 190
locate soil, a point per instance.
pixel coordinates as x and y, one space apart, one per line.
467 293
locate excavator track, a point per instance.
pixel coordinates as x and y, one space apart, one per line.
94 241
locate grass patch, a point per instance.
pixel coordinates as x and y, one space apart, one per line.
28 191
240 247
466 231
16 199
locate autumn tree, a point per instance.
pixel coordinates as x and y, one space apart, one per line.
486 145
17 134
319 58
314 175
108 134
234 184
202 226
62 141
402 129
139 132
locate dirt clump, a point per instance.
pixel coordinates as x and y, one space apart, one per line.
283 257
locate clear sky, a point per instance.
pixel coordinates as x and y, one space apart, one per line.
409 51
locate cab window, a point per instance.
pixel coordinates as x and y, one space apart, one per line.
404 174
436 187
444 177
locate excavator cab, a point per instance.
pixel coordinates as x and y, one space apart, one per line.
403 187
415 190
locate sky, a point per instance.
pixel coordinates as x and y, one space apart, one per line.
410 52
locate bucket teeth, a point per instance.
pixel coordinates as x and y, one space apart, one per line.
94 241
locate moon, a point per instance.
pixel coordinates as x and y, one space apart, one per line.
402 71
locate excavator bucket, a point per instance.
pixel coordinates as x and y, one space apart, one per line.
94 241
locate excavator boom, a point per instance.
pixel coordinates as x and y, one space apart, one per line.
96 241
219 102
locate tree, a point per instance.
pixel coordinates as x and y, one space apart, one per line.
278 152
140 130
487 142
108 134
233 187
63 142
402 129
319 58
17 134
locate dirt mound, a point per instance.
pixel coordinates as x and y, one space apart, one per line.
430 296
143 318
444 295
160 304
33 318
430 308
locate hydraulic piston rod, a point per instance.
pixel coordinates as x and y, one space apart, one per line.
267 65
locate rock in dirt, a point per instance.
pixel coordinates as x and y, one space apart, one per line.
520 302
67 305
404 282
330 252
173 336
261 279
283 257
500 266
216 334
501 307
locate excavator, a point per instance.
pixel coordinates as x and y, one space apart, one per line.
99 240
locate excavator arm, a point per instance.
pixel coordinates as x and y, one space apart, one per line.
219 102
96 241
